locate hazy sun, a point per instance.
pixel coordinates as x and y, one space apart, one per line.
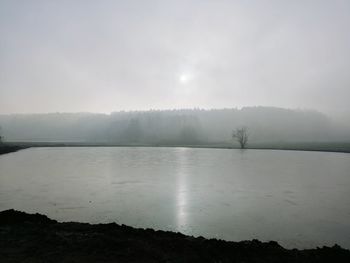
184 78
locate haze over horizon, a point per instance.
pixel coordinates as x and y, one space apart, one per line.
189 109
85 56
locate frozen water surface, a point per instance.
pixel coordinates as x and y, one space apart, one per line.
300 199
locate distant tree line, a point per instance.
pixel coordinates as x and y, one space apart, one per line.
185 126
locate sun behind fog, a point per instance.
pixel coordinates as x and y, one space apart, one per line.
184 78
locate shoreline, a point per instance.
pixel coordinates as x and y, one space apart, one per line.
36 238
337 147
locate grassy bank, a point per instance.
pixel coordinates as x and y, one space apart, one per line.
36 238
8 148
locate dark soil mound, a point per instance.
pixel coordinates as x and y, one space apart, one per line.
36 238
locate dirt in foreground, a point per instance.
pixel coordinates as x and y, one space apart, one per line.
36 238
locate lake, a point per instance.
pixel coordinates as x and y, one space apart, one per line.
300 199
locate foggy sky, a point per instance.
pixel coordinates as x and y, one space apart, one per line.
103 56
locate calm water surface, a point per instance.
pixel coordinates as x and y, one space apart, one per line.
300 199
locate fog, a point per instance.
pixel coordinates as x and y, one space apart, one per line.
187 126
226 120
105 56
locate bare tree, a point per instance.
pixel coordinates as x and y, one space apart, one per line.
241 135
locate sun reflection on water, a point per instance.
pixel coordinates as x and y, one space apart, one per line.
181 190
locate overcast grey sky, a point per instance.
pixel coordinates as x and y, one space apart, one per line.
103 56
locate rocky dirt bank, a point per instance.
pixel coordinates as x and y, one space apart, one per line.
36 238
